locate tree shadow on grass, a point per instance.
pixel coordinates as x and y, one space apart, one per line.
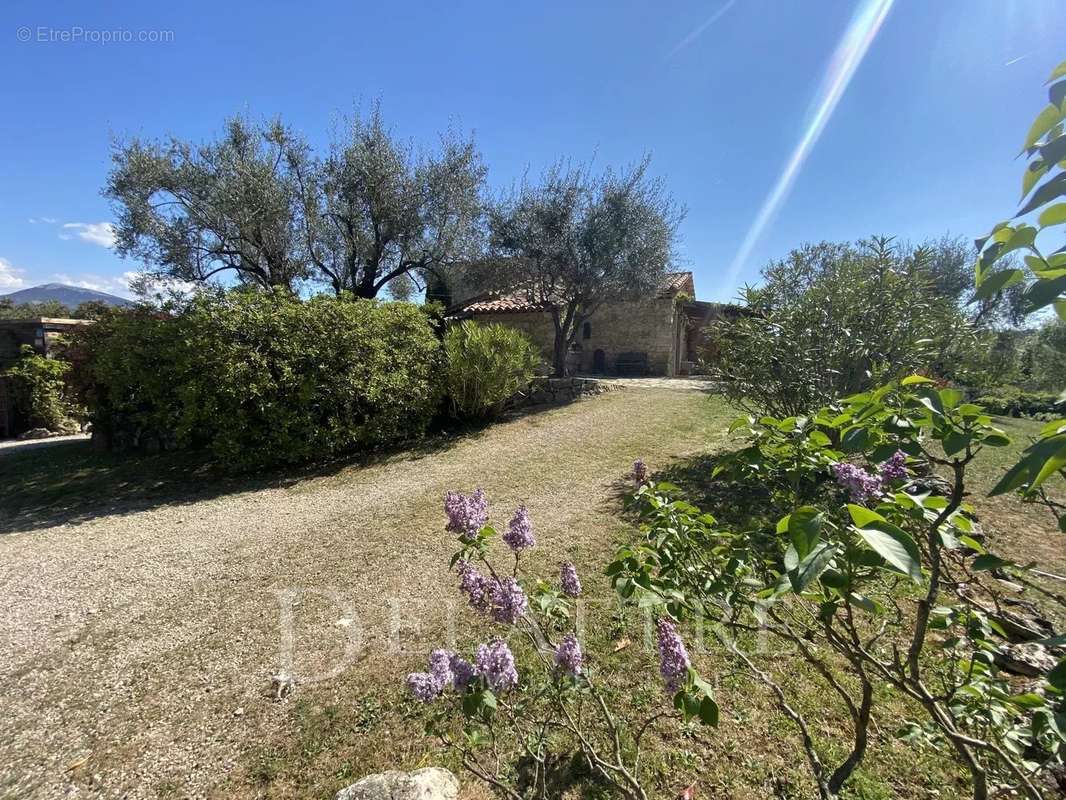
736 505
70 483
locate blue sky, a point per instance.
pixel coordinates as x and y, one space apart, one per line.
922 141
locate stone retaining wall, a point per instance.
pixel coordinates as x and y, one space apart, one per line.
557 391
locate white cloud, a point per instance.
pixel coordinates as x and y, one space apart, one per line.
10 277
97 283
101 233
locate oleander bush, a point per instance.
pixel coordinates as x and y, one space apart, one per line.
834 319
486 366
262 378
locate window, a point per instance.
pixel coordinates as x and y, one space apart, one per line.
586 330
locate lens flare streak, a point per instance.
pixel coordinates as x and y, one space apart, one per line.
849 53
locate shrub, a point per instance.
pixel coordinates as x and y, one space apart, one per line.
835 319
40 391
263 378
864 529
512 716
1010 401
486 365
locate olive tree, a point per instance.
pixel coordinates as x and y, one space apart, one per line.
191 212
259 203
377 211
574 241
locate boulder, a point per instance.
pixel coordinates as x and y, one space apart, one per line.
36 433
1029 659
431 783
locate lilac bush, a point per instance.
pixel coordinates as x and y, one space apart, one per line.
542 688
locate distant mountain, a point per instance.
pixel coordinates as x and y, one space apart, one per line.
70 296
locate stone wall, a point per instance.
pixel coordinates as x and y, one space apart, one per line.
649 326
556 391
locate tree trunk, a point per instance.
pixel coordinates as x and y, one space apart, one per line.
559 355
858 751
563 328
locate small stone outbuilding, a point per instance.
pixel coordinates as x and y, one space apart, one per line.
661 334
40 333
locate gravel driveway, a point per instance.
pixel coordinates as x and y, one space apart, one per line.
139 647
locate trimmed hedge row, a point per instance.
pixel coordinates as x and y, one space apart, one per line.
1010 401
262 379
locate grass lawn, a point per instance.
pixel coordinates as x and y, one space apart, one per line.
144 598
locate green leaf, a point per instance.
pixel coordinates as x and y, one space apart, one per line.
1045 121
1057 676
812 566
1036 465
955 442
862 516
1028 700
1033 173
804 529
1054 149
1047 192
865 603
854 439
911 380
990 562
1043 293
997 282
1052 215
1058 72
890 542
709 712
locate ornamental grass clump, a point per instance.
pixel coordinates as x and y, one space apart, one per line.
532 686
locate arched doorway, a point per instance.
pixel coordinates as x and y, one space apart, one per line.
599 362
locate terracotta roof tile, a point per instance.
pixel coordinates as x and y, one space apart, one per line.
673 282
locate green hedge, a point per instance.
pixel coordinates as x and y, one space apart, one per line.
1010 401
263 379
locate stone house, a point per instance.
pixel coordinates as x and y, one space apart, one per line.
661 334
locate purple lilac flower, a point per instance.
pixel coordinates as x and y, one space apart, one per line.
440 667
861 485
568 580
424 686
568 655
894 469
640 472
475 586
467 513
519 534
463 672
496 663
673 658
508 601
